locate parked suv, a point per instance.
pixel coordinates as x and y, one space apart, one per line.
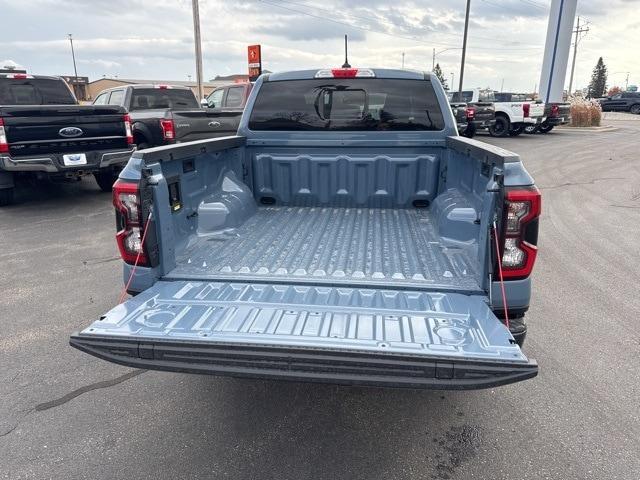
622 102
228 102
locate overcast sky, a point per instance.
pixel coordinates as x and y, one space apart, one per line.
153 39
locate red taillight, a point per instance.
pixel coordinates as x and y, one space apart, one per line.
126 200
522 209
127 128
4 144
555 110
19 75
526 108
162 87
471 113
344 72
168 129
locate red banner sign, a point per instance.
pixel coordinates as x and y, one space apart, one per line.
255 62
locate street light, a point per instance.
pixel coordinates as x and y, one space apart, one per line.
433 62
73 56
626 86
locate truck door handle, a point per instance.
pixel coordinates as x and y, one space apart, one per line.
214 124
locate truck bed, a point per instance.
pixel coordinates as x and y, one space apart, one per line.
333 246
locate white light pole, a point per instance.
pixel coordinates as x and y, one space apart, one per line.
433 61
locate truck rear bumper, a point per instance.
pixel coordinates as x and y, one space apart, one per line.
555 121
312 365
51 163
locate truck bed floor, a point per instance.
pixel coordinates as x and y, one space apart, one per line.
336 246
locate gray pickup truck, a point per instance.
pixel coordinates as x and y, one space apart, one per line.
164 114
347 234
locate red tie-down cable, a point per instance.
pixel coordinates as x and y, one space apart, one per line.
123 294
504 294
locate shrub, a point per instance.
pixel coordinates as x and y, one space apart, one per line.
585 113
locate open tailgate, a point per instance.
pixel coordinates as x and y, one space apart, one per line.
399 338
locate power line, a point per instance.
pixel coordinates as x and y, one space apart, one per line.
415 39
579 30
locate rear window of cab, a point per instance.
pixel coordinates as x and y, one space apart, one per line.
346 104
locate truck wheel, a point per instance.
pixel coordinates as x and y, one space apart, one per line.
105 179
545 128
635 109
531 129
6 196
500 128
143 145
515 131
470 131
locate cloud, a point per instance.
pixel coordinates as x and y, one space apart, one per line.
153 39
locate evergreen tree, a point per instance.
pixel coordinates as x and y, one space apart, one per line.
598 84
438 73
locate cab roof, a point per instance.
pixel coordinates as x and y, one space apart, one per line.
378 72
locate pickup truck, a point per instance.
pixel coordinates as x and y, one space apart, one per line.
480 114
347 234
164 114
513 112
554 114
228 103
45 133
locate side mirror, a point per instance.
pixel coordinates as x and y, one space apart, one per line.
204 103
608 98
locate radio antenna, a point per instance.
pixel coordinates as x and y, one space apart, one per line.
346 59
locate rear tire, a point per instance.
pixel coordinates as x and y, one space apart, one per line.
143 145
105 179
635 109
515 131
500 128
545 128
6 196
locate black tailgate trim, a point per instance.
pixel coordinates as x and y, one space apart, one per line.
298 364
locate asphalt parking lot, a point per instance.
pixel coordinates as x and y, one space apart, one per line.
66 415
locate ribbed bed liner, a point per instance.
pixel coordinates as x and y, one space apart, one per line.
350 246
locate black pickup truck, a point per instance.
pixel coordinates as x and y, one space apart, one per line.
479 115
45 133
164 114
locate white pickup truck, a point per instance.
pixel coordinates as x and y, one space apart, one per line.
513 111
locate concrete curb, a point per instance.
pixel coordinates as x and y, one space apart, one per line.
604 128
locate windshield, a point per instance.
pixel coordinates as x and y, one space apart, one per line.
346 104
150 98
35 91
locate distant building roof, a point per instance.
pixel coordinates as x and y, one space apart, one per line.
236 77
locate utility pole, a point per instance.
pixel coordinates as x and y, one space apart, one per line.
577 31
452 81
433 62
403 60
464 45
196 35
502 86
73 56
